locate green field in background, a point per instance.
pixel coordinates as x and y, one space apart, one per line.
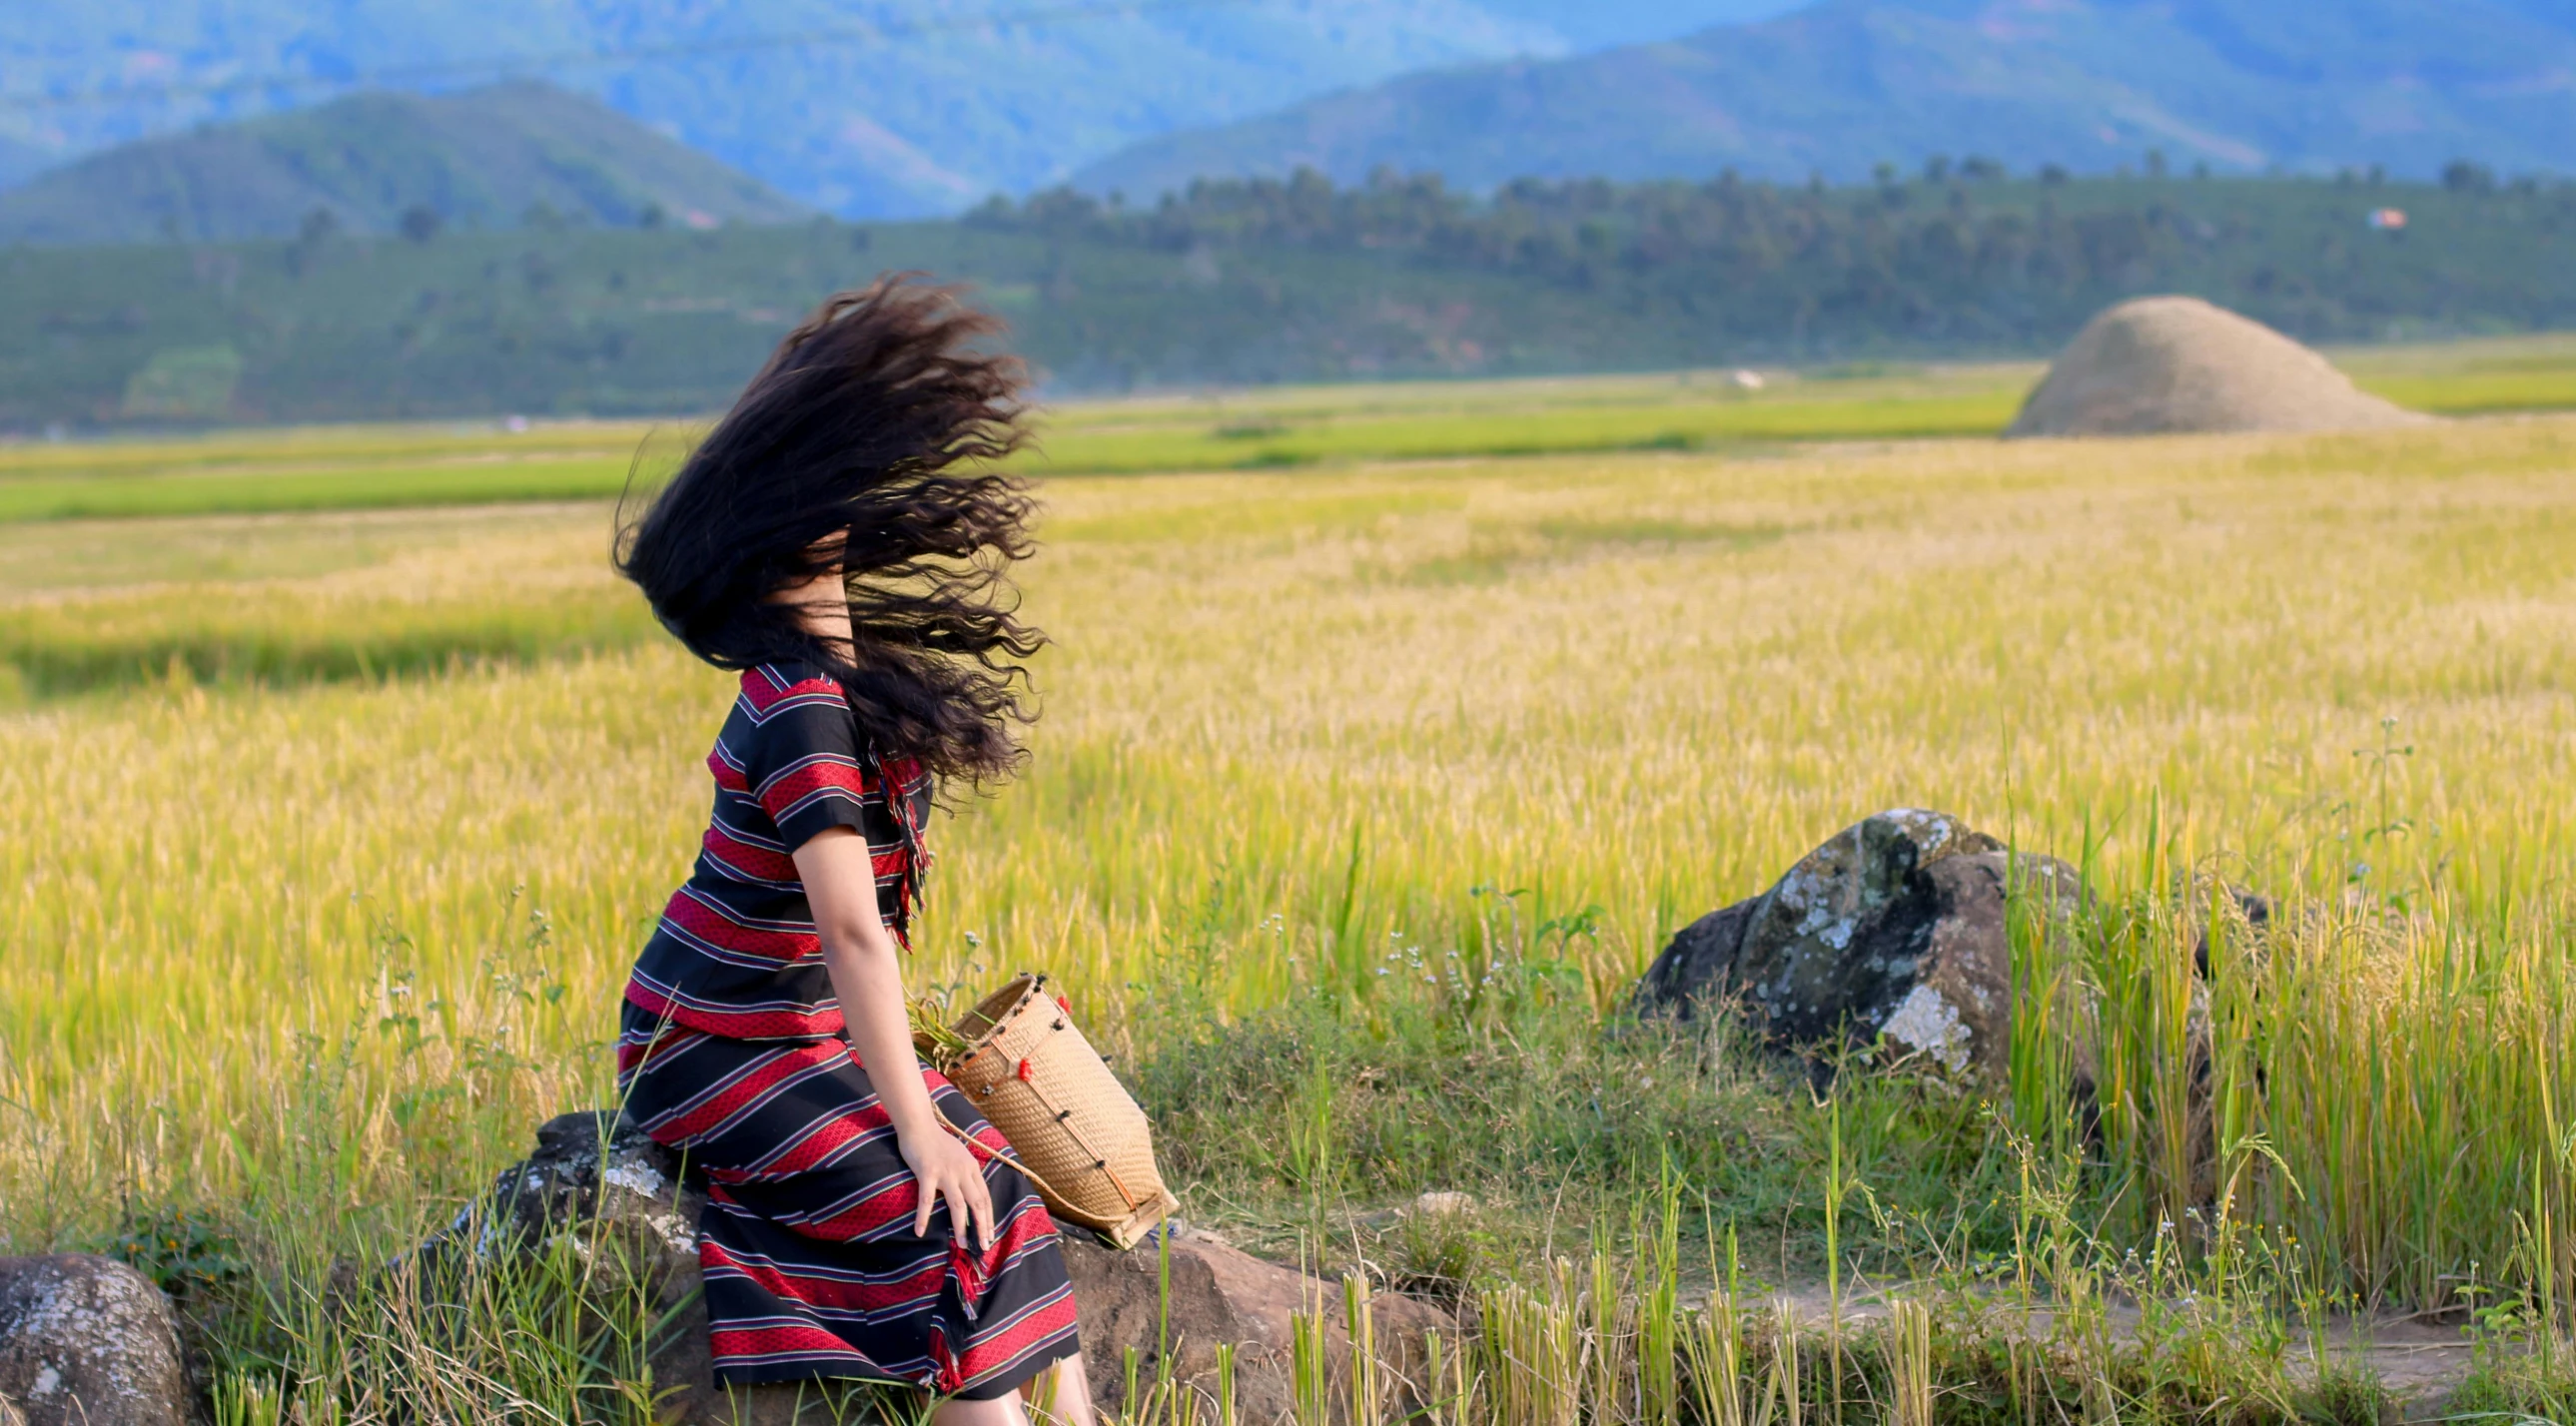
383 467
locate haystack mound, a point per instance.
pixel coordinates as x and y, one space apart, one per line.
2179 364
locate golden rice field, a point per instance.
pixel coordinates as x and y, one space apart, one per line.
320 936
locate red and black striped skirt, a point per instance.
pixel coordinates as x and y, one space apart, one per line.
812 1267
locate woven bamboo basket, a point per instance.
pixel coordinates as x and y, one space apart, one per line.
1075 1133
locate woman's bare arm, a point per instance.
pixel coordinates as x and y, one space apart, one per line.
866 965
867 978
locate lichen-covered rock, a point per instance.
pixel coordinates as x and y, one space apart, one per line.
591 1168
598 1183
1896 929
88 1341
1697 967
600 1180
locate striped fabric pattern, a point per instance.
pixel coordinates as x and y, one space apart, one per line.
731 1050
736 953
811 1266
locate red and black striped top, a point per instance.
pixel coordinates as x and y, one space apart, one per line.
736 953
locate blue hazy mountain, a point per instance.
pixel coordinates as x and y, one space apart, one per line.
1837 88
868 107
1607 23
487 157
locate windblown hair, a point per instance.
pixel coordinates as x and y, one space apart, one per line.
873 428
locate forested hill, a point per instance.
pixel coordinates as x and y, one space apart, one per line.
488 157
1255 282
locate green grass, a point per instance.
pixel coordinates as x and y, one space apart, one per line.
178 640
2473 378
377 487
364 468
1552 418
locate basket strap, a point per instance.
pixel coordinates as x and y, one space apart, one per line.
978 1146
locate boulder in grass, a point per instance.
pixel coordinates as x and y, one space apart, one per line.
622 1195
88 1341
597 1176
1895 931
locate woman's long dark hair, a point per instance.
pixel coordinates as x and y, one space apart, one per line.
874 427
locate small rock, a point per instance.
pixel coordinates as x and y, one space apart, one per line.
1895 928
88 1341
1440 1203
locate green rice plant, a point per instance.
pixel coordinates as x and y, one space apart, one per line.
1787 1383
393 466
276 492
245 1400
1909 1356
1714 1339
1660 1325
1449 1385
1531 1349
1310 1366
1713 1347
1603 1363
173 642
1368 1403
1837 1188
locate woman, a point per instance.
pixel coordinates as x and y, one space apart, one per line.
840 540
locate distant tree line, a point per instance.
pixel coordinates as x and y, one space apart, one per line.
1292 280
1959 250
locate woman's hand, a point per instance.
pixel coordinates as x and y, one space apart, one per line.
941 1168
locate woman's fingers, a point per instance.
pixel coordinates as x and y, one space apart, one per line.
961 1212
968 1216
954 1181
981 1194
961 1218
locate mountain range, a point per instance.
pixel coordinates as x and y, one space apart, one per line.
869 108
893 108
1845 85
486 157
